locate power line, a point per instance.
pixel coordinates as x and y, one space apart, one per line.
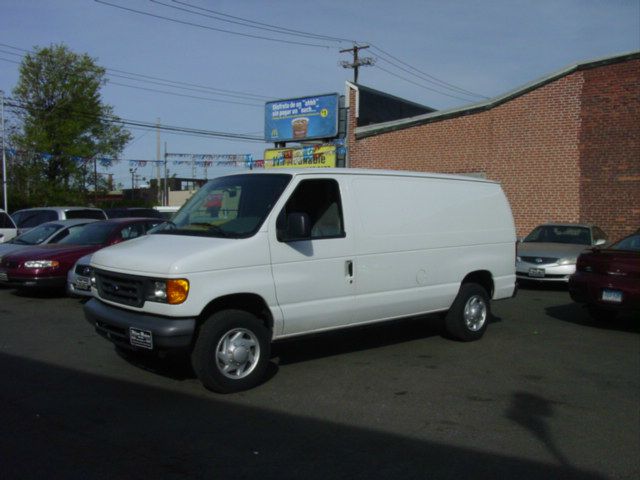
255 24
231 32
230 93
152 125
260 105
433 78
270 27
148 79
420 85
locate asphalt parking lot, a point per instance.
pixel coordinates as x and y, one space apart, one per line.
547 393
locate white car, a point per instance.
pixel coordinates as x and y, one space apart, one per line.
8 228
79 278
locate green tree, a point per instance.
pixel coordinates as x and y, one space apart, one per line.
62 119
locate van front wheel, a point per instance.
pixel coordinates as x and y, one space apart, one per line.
231 352
468 316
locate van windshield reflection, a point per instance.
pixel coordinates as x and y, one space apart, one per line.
233 206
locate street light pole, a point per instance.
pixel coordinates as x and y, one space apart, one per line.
133 175
4 158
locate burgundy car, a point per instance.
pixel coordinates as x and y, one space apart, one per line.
47 265
608 279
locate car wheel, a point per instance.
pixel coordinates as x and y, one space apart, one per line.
601 314
467 318
231 352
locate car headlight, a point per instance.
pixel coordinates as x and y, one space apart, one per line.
173 291
41 264
566 261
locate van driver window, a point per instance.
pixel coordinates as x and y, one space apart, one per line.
320 200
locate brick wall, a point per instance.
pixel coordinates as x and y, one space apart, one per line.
535 144
610 148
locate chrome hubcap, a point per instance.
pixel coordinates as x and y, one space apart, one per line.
237 353
475 313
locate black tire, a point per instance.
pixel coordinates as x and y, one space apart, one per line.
469 314
240 365
601 314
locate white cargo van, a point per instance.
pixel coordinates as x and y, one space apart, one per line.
261 256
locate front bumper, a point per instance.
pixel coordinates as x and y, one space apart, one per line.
551 272
78 286
115 323
17 281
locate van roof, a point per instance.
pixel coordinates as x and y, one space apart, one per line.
363 171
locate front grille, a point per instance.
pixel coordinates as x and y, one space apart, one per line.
540 260
121 288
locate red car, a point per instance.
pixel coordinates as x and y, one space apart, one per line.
608 279
47 265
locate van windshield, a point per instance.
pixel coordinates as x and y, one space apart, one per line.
232 207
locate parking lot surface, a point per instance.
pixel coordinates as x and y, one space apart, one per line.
547 393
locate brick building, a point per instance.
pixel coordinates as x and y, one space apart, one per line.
565 147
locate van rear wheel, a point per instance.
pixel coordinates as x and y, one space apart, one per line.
231 352
469 315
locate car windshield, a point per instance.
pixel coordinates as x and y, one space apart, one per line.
560 234
232 207
92 234
630 244
37 235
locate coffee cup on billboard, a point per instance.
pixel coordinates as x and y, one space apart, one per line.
299 127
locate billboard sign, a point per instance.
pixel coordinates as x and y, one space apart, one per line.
313 156
300 119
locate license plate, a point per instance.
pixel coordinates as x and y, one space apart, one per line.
82 283
614 296
140 338
536 272
3 277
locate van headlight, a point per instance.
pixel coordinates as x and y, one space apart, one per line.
172 291
41 264
566 261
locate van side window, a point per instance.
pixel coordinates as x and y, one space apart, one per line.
320 200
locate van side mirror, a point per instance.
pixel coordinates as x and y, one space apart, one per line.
600 241
295 227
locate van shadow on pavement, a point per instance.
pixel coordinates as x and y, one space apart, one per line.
62 423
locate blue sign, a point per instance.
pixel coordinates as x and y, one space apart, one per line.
300 119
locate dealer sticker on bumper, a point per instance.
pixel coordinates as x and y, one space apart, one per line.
614 296
536 272
140 338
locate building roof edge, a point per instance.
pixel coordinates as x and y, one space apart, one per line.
379 128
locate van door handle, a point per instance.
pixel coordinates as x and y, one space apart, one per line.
349 270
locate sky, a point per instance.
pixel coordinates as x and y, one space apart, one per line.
231 56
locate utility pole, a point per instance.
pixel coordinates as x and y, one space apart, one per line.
4 158
159 193
357 62
166 177
133 171
95 181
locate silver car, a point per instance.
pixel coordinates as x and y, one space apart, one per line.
29 218
550 251
79 278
